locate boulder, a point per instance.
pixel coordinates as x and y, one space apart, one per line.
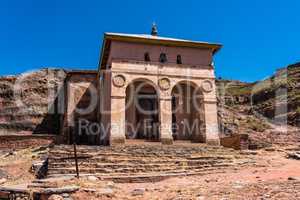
92 178
138 192
110 184
67 189
294 155
55 197
91 190
108 192
294 178
3 180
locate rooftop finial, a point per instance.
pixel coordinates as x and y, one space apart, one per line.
154 29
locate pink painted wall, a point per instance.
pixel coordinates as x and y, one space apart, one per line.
136 51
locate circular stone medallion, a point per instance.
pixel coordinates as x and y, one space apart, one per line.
119 80
164 83
207 86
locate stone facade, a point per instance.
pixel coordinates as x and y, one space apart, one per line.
136 60
81 100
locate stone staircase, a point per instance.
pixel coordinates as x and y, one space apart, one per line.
141 162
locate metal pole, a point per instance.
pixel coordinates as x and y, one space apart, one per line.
75 154
76 160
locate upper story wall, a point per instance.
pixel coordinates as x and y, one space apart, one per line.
136 51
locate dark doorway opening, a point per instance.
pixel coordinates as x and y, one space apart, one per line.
142 121
187 113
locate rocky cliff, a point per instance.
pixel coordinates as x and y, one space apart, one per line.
28 102
263 108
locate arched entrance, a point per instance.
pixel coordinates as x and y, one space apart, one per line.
188 122
142 119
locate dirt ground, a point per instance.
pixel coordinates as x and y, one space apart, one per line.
273 176
15 168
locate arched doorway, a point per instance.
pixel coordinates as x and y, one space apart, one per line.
142 119
188 122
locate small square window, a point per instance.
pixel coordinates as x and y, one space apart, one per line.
179 60
163 58
147 57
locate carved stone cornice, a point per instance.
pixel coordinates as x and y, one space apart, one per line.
160 74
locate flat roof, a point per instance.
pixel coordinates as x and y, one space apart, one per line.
150 39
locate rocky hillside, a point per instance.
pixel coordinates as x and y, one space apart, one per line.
28 102
278 97
262 108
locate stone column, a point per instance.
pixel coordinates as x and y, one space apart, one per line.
117 119
211 122
165 113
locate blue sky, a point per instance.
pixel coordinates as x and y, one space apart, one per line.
258 36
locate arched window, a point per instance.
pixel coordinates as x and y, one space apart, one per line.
163 58
179 61
146 57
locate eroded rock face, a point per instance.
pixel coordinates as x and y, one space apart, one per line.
248 108
275 96
28 102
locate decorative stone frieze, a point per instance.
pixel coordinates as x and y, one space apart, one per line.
119 80
207 86
164 83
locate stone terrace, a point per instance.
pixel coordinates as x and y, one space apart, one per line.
143 161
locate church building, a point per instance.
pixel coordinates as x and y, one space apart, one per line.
147 87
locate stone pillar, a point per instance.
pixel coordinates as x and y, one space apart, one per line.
165 115
117 119
211 123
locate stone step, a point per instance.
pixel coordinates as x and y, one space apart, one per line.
135 163
118 170
131 169
134 158
103 154
139 162
63 155
114 159
89 153
138 156
122 171
145 163
138 149
142 177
